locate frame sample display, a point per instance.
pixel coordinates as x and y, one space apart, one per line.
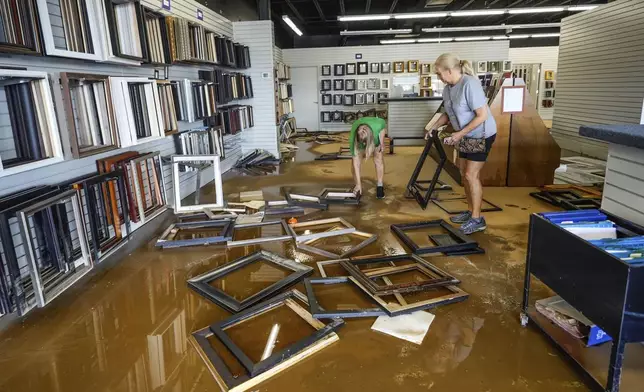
351 68
211 160
168 107
362 84
59 239
203 284
325 85
375 67
326 99
326 70
454 242
367 239
338 84
281 207
337 99
281 224
385 67
415 186
370 98
319 313
412 66
359 100
157 39
20 27
339 196
348 100
167 239
338 70
435 277
126 27
223 374
363 68
304 201
348 228
90 115
145 173
349 84
399 66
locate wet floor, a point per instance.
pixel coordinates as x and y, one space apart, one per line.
126 329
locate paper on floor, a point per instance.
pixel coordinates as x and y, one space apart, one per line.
411 327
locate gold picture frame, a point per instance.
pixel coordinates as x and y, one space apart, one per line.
412 66
399 66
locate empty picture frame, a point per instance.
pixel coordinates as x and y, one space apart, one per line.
169 237
204 283
365 238
359 99
416 187
279 224
339 195
125 21
305 201
325 70
325 84
211 160
338 84
362 84
326 99
338 70
433 276
349 84
348 99
375 67
399 66
444 204
263 365
337 99
325 116
223 374
426 68
481 66
385 67
293 227
460 242
412 66
373 84
384 84
370 98
281 207
363 68
319 313
351 68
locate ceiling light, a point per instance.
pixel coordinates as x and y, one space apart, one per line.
472 38
292 25
376 32
535 10
491 27
355 18
574 8
424 40
500 37
477 12
545 35
397 41
419 15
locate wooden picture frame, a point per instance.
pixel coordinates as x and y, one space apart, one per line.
167 239
151 163
235 243
201 285
319 313
412 66
367 239
30 41
351 68
349 85
399 66
508 99
385 67
348 228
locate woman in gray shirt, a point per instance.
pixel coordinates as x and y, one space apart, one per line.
467 111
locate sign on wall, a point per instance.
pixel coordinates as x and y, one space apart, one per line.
199 14
165 4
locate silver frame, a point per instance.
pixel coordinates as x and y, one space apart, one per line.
253 241
86 258
309 246
176 160
302 238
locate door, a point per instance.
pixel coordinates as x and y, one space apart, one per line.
531 75
305 97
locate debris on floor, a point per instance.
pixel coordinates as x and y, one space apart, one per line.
410 327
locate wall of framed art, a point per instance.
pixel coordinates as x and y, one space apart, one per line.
338 65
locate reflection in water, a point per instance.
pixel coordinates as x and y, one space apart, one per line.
456 343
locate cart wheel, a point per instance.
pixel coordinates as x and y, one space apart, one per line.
524 319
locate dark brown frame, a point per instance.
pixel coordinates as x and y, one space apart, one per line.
319 313
34 21
464 243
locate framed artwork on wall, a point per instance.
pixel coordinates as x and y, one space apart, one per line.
351 68
375 67
385 67
338 84
338 70
426 69
325 84
399 66
326 70
337 99
362 84
359 100
349 84
412 66
363 68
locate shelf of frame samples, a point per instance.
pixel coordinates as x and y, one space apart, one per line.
107 112
283 91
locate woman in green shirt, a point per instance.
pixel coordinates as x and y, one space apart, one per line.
368 135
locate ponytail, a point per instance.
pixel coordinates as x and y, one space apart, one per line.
451 61
466 68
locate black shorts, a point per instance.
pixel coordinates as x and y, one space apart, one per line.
479 156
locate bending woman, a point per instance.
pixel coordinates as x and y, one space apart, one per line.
467 111
368 135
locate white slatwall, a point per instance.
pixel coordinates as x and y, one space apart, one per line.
472 51
409 119
258 36
72 168
624 183
548 57
600 54
277 55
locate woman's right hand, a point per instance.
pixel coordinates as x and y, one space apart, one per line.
357 190
429 133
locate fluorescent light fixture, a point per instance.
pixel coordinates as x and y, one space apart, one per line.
426 40
292 25
574 8
477 12
355 18
491 27
545 35
472 38
498 37
397 41
420 15
376 32
535 10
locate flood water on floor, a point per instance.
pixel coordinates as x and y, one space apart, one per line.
126 328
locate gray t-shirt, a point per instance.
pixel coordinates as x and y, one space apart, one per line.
461 100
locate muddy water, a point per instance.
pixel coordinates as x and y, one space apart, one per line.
125 329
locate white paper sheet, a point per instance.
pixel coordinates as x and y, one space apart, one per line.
410 327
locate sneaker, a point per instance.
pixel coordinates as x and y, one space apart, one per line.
380 192
473 225
461 218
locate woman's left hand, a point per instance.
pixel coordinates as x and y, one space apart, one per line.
453 139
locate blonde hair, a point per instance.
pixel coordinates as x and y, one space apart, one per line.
451 61
369 143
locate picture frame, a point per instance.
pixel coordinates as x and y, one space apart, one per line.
325 85
416 187
384 84
337 99
348 99
494 66
507 66
366 240
254 241
399 66
338 84
385 67
325 70
307 201
167 238
320 313
373 84
549 75
212 160
362 84
359 99
338 70
347 228
481 66
370 98
327 99
412 66
339 196
375 68
325 117
351 68
349 84
337 116
381 97
461 242
426 68
363 68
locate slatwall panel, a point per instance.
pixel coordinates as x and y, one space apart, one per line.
624 183
53 6
409 119
472 51
600 52
258 36
548 57
277 55
72 168
7 147
187 9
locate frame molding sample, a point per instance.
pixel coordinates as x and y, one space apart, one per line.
306 237
254 241
281 208
304 201
309 246
439 203
166 240
201 283
296 353
29 39
79 27
414 186
155 185
127 40
219 190
339 196
463 242
437 277
319 313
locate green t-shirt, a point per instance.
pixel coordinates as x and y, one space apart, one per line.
376 124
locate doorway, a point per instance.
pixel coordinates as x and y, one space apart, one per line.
531 74
305 97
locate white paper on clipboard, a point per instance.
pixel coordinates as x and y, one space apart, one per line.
512 99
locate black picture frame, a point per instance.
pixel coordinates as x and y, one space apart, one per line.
363 68
325 85
303 203
385 67
338 84
348 99
111 19
325 70
319 313
166 240
201 285
460 242
337 116
338 70
370 98
382 96
326 99
325 117
337 99
255 369
281 207
374 68
439 203
351 69
415 186
359 99
349 85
